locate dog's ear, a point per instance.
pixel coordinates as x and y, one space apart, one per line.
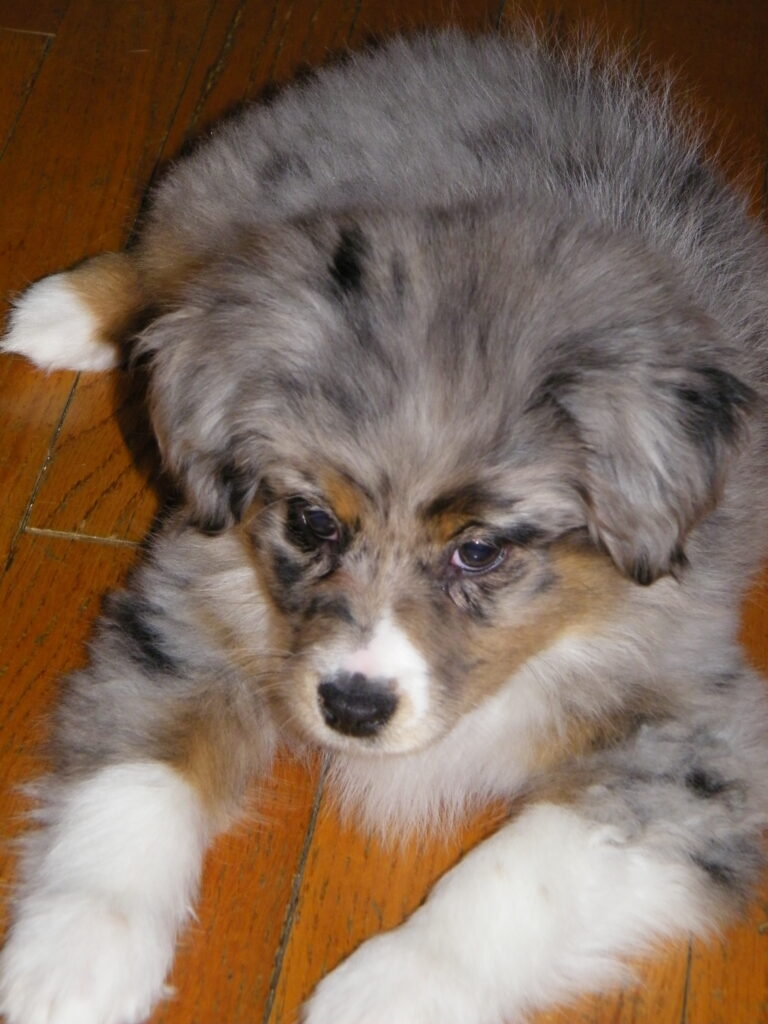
192 401
656 443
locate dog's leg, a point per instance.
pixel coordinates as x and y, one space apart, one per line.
112 877
552 903
75 320
153 747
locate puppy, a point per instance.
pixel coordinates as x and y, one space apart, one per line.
458 356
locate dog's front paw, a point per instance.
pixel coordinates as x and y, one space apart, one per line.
82 959
394 978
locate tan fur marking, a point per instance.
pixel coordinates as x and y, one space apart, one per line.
165 265
346 500
108 285
583 735
210 746
444 527
589 579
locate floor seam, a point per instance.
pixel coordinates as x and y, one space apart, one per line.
293 902
41 474
42 531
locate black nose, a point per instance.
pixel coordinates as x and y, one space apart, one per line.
355 705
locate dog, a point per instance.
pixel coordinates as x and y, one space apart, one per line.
458 353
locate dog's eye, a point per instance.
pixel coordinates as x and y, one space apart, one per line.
477 556
320 523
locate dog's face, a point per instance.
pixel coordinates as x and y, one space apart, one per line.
403 603
446 440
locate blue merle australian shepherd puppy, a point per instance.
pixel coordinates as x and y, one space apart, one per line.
458 354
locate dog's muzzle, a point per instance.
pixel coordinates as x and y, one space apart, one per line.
355 705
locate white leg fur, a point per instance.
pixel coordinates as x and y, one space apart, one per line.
112 877
52 326
545 908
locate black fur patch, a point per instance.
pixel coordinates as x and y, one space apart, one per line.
641 571
134 618
238 487
704 784
720 873
287 572
346 265
468 499
712 406
734 863
522 534
331 608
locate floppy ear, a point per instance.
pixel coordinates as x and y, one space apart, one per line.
191 400
657 441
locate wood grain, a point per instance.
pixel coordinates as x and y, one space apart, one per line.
105 479
36 17
718 52
71 179
227 959
354 886
21 55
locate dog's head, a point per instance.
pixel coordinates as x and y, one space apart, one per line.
447 438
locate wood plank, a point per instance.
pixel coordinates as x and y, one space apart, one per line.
226 961
21 55
72 175
380 20
41 17
106 479
717 51
616 24
353 887
754 622
729 976
22 405
91 131
30 409
656 995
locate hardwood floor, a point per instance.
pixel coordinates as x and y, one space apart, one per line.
96 96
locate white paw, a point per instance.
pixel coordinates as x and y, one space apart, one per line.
52 326
393 979
79 959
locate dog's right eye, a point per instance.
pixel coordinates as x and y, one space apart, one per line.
309 526
478 556
320 523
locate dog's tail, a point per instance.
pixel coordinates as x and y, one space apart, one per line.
77 319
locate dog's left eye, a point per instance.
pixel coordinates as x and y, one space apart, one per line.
320 523
477 556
